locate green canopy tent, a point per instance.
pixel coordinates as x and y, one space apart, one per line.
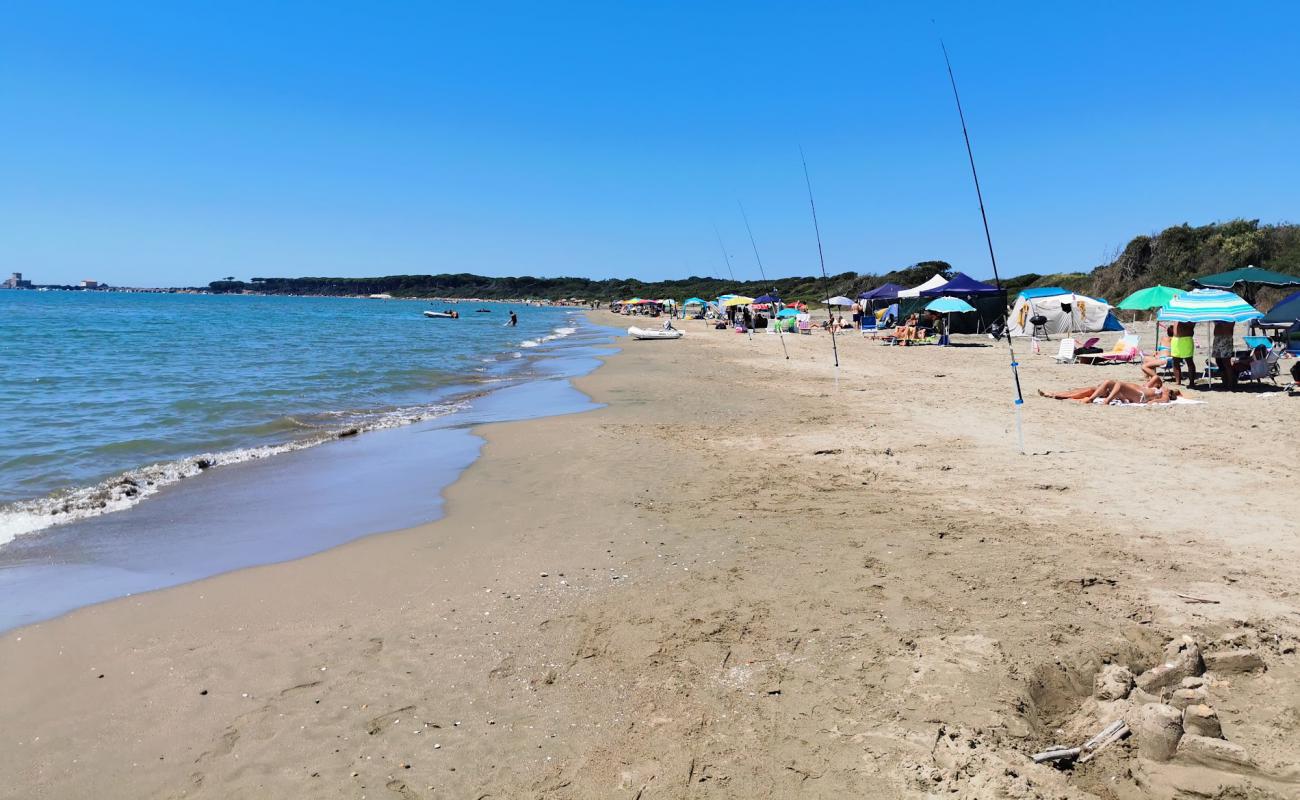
1249 278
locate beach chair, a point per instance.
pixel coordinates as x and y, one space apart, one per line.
1066 354
805 326
1266 367
1125 351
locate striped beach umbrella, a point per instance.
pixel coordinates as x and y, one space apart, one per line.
1209 305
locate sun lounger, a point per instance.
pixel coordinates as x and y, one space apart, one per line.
1125 351
805 326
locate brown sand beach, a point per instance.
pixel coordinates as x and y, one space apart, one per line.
738 579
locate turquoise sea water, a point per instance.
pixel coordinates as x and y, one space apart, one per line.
107 399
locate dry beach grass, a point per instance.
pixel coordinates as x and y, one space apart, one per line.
736 580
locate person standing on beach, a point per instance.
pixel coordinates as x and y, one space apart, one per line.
1221 350
1181 349
513 319
857 315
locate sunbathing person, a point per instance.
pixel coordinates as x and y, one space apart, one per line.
907 331
1114 391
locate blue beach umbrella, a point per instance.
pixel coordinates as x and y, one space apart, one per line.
1209 305
950 306
788 312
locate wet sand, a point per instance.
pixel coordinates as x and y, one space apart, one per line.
736 580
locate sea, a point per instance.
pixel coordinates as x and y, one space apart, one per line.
148 440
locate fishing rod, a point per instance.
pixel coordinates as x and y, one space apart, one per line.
727 258
826 281
780 333
997 280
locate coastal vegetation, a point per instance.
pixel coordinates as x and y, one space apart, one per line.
1172 257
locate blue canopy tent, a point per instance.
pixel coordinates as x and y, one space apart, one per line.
887 292
962 285
767 298
989 302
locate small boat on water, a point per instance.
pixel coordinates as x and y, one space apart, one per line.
442 314
654 333
482 311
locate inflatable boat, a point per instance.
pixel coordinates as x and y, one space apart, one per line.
654 333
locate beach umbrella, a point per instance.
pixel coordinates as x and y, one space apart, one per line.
1286 311
738 300
788 312
1209 305
948 306
1151 297
839 300
1249 278
767 298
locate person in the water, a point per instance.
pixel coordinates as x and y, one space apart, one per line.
513 319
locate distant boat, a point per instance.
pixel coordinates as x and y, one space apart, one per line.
442 314
482 311
381 297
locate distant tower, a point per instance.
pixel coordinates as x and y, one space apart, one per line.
16 281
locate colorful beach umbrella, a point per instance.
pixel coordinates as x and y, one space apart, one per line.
1209 305
738 300
1149 298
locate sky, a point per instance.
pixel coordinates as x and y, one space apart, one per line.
175 143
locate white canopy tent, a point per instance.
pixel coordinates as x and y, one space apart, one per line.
915 291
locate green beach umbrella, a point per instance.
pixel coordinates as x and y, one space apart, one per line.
1250 279
1149 298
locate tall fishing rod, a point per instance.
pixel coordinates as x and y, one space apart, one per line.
997 280
826 281
780 333
727 258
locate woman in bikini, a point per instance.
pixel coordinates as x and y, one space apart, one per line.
1152 392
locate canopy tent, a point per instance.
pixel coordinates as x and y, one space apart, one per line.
839 300
961 285
695 301
1209 305
887 292
1249 278
1149 298
915 291
1287 311
767 299
1065 312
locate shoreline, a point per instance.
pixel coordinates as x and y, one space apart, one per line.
735 579
174 531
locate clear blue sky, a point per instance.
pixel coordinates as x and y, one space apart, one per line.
172 143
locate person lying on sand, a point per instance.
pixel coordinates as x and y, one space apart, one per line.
1113 391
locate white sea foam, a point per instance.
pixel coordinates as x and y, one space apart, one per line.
529 343
129 488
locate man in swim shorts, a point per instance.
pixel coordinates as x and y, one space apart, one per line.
1222 350
1181 349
